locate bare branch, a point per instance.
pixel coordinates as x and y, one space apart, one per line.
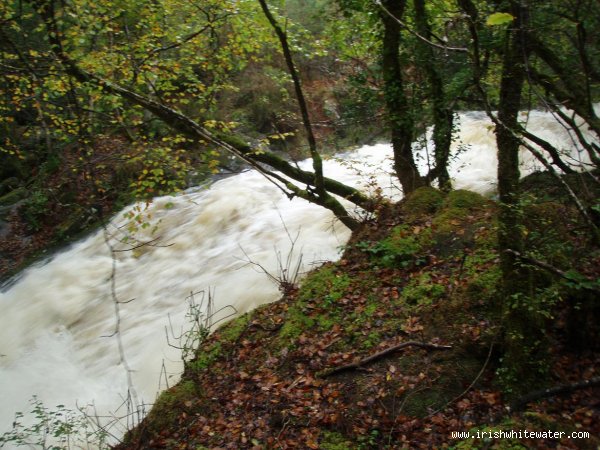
359 363
417 35
548 267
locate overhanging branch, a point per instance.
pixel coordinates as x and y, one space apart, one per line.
188 126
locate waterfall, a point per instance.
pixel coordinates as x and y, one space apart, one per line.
58 317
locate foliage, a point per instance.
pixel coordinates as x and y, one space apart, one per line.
402 248
262 382
54 429
34 209
203 69
499 19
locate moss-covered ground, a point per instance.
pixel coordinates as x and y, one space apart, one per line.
425 271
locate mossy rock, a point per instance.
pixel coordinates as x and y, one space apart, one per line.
464 199
78 220
13 196
425 200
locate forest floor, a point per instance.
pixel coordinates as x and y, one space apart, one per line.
400 343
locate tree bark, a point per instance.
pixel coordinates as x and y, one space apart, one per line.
443 117
400 119
523 338
511 85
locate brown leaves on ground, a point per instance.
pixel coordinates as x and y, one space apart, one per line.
264 390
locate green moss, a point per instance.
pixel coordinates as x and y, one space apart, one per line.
402 248
402 242
323 287
206 357
370 308
371 340
449 221
422 290
233 329
330 440
486 235
169 404
464 199
326 284
425 200
355 322
296 323
327 321
483 285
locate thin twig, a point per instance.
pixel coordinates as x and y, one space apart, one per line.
463 393
548 267
417 35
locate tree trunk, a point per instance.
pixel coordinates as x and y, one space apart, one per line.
400 117
443 118
511 85
522 360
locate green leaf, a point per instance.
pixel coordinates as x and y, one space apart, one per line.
499 18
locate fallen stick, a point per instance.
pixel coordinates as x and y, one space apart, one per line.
369 359
521 403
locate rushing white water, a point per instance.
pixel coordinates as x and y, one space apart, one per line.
58 318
